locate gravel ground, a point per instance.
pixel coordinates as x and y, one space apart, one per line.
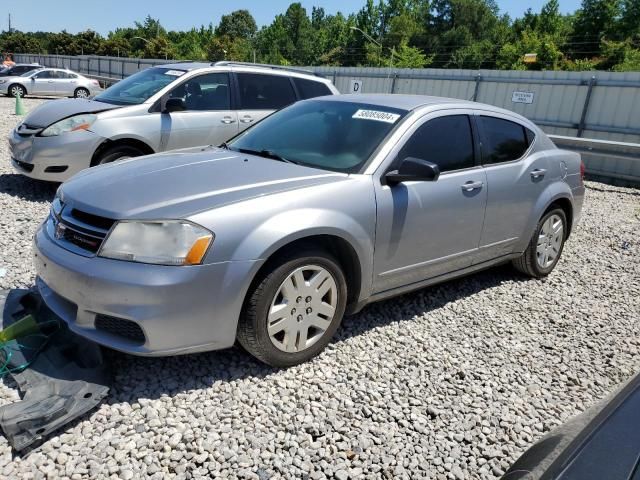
452 382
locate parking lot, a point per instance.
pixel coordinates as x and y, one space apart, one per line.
451 382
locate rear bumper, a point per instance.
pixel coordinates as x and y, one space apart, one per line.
179 309
54 159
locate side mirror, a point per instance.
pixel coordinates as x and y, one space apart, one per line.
413 170
174 105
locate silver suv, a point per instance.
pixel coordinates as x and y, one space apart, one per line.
321 208
162 108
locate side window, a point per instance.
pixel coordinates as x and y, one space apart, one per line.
264 92
205 92
445 141
45 74
505 140
310 89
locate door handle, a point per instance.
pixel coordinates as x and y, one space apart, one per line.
50 81
246 120
227 120
538 173
471 186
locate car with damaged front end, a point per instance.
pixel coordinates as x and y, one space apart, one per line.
318 210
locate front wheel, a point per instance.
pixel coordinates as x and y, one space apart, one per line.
294 309
546 245
116 153
17 91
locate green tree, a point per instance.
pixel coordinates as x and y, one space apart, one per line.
596 20
238 24
159 47
19 42
630 20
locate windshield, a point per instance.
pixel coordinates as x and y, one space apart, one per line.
138 88
337 136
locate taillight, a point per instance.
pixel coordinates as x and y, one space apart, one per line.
582 169
95 82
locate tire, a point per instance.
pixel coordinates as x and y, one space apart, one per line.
117 152
283 348
14 89
81 93
534 263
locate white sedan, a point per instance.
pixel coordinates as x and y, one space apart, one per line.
50 81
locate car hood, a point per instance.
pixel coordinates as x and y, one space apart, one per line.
182 183
55 110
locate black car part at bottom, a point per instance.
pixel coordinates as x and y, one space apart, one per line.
603 443
60 380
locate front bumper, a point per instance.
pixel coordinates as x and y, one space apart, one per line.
54 159
179 309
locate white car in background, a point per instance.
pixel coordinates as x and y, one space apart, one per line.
50 81
162 108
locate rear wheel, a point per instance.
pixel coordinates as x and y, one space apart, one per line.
117 152
81 93
294 309
545 248
17 90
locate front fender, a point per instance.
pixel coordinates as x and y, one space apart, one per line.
554 191
287 227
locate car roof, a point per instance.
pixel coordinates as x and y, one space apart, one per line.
413 102
242 66
404 102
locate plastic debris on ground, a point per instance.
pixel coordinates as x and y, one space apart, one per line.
61 376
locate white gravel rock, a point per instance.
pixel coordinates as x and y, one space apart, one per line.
454 381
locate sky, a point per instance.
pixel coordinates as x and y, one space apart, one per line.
104 16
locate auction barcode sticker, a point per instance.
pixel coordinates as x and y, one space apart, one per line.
174 73
376 115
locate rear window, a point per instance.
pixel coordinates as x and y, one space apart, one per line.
310 89
265 92
505 141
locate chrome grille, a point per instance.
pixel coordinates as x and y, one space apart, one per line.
79 229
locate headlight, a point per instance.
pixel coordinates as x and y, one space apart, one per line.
160 243
71 124
3 81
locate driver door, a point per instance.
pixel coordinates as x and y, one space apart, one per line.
42 83
429 228
207 118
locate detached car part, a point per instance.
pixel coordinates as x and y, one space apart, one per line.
63 379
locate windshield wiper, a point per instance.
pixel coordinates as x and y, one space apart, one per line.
266 154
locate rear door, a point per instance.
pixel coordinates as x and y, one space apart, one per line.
260 94
66 83
515 179
208 118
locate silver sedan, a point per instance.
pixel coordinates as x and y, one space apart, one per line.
318 210
50 81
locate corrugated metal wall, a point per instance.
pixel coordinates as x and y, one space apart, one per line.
597 105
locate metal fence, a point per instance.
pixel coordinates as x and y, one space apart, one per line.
599 106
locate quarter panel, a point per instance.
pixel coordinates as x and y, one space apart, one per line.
554 191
